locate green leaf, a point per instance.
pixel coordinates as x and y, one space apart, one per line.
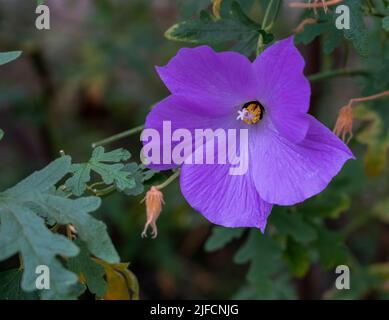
189 7
385 23
122 284
233 26
362 282
139 177
1 134
332 40
76 212
325 205
312 31
278 288
106 165
89 270
10 286
41 181
330 247
381 210
297 258
6 57
332 37
264 255
23 229
222 236
357 33
292 224
376 137
265 281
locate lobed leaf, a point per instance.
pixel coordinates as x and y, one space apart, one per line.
106 165
233 26
10 286
90 272
6 57
357 33
222 236
385 23
121 282
292 224
23 229
263 253
330 247
297 258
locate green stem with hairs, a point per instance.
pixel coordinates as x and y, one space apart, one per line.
168 180
336 73
106 191
118 136
260 44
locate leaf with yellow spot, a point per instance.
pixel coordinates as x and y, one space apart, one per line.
381 210
121 282
376 137
216 5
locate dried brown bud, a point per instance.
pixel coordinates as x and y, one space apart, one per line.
154 202
344 123
71 232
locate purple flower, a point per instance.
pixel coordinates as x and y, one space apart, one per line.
292 156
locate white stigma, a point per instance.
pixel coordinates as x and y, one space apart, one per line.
242 114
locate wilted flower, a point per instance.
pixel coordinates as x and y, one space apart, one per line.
292 156
154 202
344 123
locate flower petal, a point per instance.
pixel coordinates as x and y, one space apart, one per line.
224 199
182 114
218 80
286 173
283 89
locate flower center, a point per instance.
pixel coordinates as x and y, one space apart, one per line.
251 112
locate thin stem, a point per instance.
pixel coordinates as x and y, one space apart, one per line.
316 5
260 44
94 185
344 122
370 5
168 180
106 191
267 13
369 98
55 228
112 188
276 13
118 136
336 73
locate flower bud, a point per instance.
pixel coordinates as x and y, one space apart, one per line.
154 202
344 123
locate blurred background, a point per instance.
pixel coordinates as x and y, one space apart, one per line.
92 75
